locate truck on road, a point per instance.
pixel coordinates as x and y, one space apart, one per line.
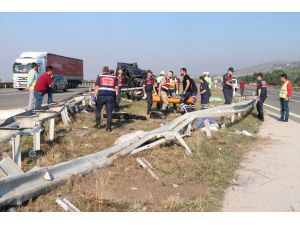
70 68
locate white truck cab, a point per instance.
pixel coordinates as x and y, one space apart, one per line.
22 65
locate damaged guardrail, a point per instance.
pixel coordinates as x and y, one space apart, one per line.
22 187
31 123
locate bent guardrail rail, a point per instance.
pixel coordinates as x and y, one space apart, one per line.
17 189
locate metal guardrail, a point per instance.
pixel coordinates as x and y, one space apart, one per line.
17 189
30 123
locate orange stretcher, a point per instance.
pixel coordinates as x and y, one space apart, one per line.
157 98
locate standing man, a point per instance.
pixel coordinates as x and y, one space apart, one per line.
120 86
158 80
163 90
261 93
31 80
106 88
41 87
172 88
227 86
207 79
148 89
194 94
242 87
204 92
187 89
284 96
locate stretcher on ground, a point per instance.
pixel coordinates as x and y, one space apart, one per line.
157 98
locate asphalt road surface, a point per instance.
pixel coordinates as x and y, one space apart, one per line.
273 99
13 98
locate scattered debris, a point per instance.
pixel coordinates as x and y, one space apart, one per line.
157 115
61 133
145 164
32 154
126 100
66 205
8 167
243 132
127 116
48 176
134 188
175 185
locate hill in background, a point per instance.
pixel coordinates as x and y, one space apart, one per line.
268 67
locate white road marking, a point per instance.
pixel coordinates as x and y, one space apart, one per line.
272 107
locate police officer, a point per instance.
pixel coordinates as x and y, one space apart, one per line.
261 93
148 89
106 88
227 86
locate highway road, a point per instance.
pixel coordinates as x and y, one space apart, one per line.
273 101
13 98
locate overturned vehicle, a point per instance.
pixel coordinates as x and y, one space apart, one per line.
133 78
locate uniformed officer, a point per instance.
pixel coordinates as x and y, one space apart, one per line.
227 86
204 92
261 93
106 88
148 89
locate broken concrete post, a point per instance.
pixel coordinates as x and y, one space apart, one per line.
66 205
145 164
37 141
51 129
239 115
182 142
64 118
207 128
232 118
16 149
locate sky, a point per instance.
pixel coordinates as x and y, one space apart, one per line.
157 41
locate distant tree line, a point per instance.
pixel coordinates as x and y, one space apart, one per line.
273 78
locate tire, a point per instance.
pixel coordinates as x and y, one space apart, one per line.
21 89
55 89
66 89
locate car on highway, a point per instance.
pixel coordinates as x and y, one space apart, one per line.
59 83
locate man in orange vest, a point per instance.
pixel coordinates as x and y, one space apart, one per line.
284 96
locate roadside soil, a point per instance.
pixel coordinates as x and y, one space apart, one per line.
269 177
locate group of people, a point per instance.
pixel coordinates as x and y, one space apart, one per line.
167 85
108 88
38 87
261 93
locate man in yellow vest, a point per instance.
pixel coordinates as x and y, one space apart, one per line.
207 78
284 96
31 80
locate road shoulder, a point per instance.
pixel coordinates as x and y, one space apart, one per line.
268 178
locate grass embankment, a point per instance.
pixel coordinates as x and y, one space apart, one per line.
187 183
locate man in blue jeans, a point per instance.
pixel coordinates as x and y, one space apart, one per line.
284 96
41 87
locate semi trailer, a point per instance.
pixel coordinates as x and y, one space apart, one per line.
70 68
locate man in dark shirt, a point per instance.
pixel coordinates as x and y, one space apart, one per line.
261 93
227 86
41 87
187 89
106 89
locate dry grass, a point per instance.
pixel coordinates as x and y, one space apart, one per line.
187 183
